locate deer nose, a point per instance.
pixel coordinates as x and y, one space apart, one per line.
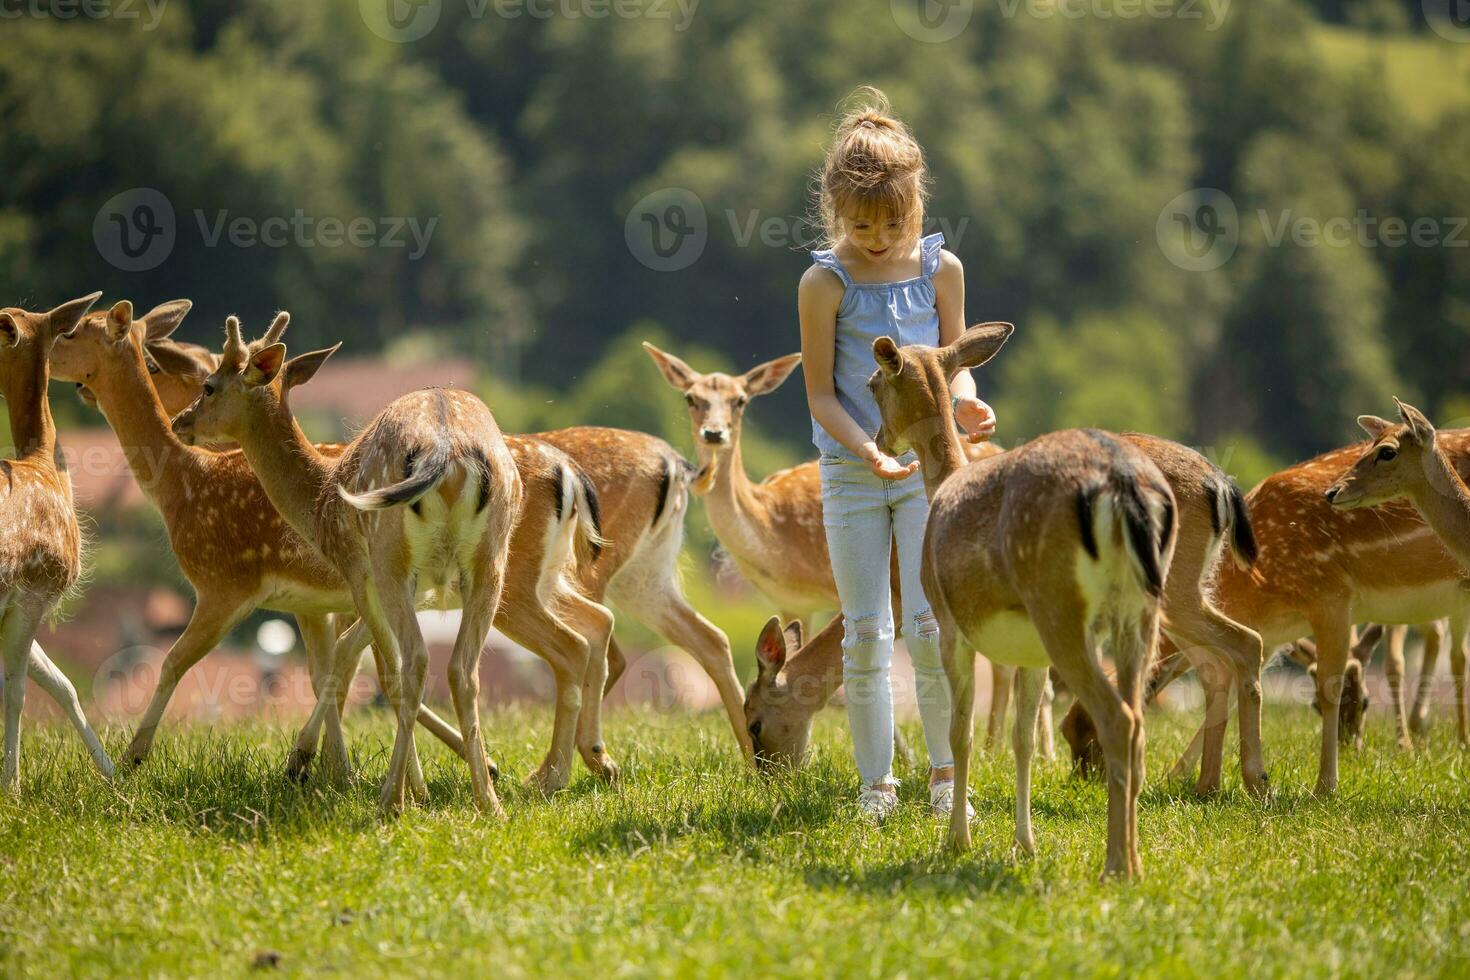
712 435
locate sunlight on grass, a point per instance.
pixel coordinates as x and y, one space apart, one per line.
207 858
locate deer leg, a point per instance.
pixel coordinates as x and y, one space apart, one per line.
1001 680
1134 644
1434 635
1030 687
1457 671
1334 636
340 660
594 622
331 691
617 662
54 682
1044 731
1240 650
372 607
959 668
567 654
1393 670
1216 681
481 586
15 636
211 621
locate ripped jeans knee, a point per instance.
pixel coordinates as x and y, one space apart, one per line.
867 654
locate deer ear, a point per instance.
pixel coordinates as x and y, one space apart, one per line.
1373 425
767 377
264 365
793 635
1417 422
302 369
9 331
976 346
770 649
675 371
165 318
173 359
119 320
64 318
885 352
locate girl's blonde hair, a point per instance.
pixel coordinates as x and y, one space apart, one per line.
874 166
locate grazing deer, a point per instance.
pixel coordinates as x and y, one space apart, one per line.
424 499
639 486
1406 462
41 545
1320 569
1031 556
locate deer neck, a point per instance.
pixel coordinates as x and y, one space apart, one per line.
942 454
292 471
31 428
126 396
1444 502
815 672
732 497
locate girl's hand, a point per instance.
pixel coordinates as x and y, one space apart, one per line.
976 418
886 466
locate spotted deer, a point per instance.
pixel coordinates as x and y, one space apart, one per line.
1405 462
1034 556
640 487
1320 569
239 554
40 543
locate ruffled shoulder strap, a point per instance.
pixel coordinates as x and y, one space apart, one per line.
929 250
827 259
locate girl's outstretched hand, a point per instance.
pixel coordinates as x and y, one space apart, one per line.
889 468
976 418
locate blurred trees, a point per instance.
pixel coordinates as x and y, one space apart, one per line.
1056 142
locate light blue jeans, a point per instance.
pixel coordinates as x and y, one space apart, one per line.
863 514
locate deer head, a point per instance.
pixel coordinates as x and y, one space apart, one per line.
911 387
25 334
100 337
717 401
250 383
1393 465
777 715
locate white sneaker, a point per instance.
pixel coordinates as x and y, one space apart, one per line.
877 802
941 799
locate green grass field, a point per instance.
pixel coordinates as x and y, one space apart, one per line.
206 859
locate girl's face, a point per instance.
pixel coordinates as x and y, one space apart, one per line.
878 235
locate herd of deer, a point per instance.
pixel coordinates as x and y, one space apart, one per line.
1045 558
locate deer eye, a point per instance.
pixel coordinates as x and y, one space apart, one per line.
740 402
755 728
208 388
689 400
1387 453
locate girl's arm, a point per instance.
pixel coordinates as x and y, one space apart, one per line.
976 417
817 300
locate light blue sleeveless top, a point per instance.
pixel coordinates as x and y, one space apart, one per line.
905 311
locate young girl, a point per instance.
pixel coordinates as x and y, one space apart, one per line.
878 277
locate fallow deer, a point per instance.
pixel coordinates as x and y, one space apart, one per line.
1405 461
41 545
1032 556
424 499
239 554
1320 569
639 485
1211 513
